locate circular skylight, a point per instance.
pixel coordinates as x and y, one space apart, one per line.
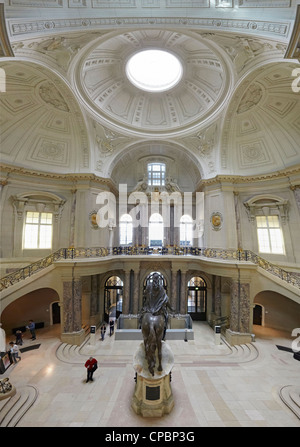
154 70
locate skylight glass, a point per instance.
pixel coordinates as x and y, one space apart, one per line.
154 70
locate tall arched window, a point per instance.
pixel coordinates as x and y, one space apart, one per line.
156 230
186 231
126 229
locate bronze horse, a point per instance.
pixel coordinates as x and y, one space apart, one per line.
153 331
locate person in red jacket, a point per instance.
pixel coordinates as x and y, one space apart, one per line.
91 365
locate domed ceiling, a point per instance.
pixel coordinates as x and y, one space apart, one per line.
107 91
70 107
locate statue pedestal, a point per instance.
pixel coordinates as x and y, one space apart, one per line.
153 395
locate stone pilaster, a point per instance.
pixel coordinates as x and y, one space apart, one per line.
239 331
183 290
136 291
126 294
94 295
72 330
173 288
296 191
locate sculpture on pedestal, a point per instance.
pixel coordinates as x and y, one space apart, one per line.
154 320
153 394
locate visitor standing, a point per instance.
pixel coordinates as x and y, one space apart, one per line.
103 331
31 327
19 337
111 327
14 350
91 365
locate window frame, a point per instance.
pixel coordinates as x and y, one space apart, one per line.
159 222
186 226
160 179
39 225
129 240
271 232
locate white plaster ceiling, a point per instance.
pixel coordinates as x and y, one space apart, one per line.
69 107
106 90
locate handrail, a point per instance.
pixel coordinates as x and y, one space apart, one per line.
95 252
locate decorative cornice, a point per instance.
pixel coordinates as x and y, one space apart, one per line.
235 179
71 177
260 27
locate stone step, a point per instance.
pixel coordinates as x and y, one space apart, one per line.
290 396
15 407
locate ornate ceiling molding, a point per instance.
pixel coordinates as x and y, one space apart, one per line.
250 179
20 28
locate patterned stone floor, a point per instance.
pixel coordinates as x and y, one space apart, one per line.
213 385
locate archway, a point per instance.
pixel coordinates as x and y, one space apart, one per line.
113 298
258 314
197 298
149 279
35 305
55 313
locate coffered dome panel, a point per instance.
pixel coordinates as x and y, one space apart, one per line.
107 92
41 124
262 126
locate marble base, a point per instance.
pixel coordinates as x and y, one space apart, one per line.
153 395
10 393
73 338
238 338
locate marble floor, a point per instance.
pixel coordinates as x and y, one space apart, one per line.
214 385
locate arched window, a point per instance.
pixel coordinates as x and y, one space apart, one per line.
186 231
149 280
126 229
156 230
156 174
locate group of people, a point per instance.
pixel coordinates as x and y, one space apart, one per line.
103 329
14 346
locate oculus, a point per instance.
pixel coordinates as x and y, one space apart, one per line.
154 70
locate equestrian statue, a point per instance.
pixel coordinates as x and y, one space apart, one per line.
153 320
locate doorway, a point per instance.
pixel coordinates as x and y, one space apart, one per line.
55 309
257 315
197 297
113 298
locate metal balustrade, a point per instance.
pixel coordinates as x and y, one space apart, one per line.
102 252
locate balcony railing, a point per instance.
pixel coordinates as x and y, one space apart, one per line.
102 252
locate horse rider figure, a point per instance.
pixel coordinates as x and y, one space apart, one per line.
156 301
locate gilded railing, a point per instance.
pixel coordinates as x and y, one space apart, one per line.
101 252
